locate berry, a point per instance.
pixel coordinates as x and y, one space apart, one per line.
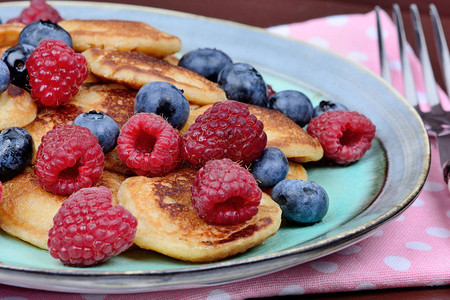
293 104
326 106
206 62
225 193
241 82
344 135
40 30
164 99
38 10
4 76
149 145
225 130
56 72
270 91
15 59
301 201
88 230
69 158
16 150
270 168
102 126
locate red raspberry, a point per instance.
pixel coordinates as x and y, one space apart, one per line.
225 130
270 91
69 158
56 72
38 10
225 193
88 229
344 135
149 145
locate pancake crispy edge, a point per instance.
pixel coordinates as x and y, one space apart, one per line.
17 108
168 224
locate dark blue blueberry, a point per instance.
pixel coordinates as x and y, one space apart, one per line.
270 168
40 30
102 126
293 104
301 201
16 150
15 59
241 82
326 106
4 76
206 62
164 99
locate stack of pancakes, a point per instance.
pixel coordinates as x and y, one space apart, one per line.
122 57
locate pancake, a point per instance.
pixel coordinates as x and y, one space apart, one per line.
120 35
17 108
296 171
27 210
282 133
135 69
168 224
9 34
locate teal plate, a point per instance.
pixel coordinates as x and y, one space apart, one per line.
363 196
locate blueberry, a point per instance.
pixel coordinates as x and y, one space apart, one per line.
301 201
293 104
16 150
102 126
4 76
243 83
206 62
270 168
164 99
326 106
40 30
15 59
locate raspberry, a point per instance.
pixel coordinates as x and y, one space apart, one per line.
88 229
344 135
270 91
56 72
69 158
225 130
225 193
38 10
149 145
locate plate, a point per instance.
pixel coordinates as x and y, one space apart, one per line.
363 195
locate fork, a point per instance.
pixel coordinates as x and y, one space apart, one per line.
436 120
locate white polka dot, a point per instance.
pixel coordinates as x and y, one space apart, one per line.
418 202
436 283
324 266
93 297
418 246
395 65
397 263
357 56
371 33
438 232
448 213
318 41
350 250
294 289
434 186
377 233
280 29
337 20
218 295
400 218
365 286
14 298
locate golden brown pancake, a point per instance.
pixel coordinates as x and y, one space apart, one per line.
282 133
27 210
9 34
17 108
120 35
168 224
135 69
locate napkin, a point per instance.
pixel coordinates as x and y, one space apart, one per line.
411 251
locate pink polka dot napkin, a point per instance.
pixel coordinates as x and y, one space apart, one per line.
413 250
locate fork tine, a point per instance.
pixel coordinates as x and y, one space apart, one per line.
408 80
430 82
441 45
385 72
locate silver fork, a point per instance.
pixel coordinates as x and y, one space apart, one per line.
437 120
